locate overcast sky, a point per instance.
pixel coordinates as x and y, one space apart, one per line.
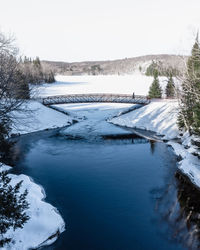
76 30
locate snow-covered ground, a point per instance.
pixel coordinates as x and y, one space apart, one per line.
123 84
190 164
38 117
158 116
45 223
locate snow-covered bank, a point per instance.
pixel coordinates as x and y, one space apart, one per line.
45 223
38 117
189 165
159 117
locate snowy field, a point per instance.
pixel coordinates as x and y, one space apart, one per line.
125 84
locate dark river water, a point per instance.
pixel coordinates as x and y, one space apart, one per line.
113 192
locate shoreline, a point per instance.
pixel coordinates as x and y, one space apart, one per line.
43 231
38 231
160 118
178 149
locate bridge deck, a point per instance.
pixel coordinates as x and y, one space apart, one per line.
85 98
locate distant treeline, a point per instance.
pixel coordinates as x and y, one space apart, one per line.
121 66
36 72
158 67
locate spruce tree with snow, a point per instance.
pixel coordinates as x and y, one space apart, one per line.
12 207
155 90
169 91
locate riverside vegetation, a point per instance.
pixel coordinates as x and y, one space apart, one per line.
15 75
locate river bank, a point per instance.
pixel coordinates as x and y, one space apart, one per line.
161 117
39 230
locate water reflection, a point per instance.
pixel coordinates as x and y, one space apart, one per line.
152 146
22 145
178 203
124 139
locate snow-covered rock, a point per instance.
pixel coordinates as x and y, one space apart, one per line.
45 223
158 116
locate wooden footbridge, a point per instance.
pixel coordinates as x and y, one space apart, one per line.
87 98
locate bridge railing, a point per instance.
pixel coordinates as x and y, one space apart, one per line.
96 97
96 94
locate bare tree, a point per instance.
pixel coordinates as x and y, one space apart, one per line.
14 89
13 92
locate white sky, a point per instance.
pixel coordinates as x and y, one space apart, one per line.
76 30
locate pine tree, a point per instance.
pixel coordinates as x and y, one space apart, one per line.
37 63
155 90
169 91
193 64
12 207
189 115
152 69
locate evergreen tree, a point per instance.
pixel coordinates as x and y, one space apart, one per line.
189 115
155 90
161 69
169 91
37 63
12 207
152 69
193 64
38 72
